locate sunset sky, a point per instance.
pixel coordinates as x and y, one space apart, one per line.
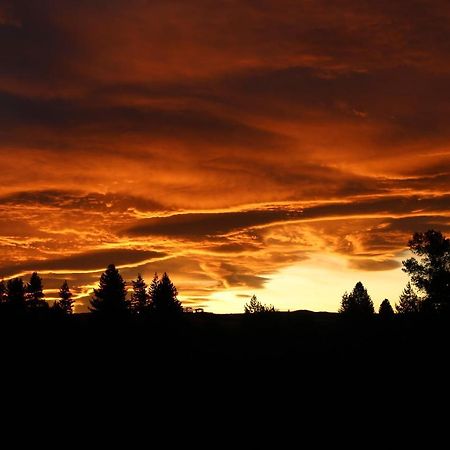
283 148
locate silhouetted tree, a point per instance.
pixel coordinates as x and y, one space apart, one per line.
358 302
110 296
15 292
409 302
153 288
35 293
65 302
386 310
140 299
163 296
254 306
430 269
347 304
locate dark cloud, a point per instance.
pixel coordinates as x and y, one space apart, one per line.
84 201
90 121
197 225
94 260
374 265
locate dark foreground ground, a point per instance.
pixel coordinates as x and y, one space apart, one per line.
289 374
285 367
296 344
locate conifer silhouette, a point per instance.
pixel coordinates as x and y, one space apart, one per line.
254 306
15 293
385 310
65 302
163 296
358 302
140 299
110 296
430 269
35 292
409 302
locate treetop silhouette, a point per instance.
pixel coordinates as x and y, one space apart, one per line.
429 269
110 296
358 302
163 296
140 299
254 306
35 292
65 302
409 302
386 310
15 294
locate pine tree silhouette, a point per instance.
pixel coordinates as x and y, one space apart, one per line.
385 310
110 296
35 293
254 306
65 302
358 302
15 292
430 270
163 295
140 299
153 291
347 304
409 302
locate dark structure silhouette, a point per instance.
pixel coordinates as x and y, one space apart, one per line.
140 299
358 302
430 268
110 296
409 302
254 306
163 296
386 310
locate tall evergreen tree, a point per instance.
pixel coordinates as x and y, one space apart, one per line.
110 296
430 268
347 304
15 293
140 299
164 296
386 310
65 302
409 302
153 290
35 292
358 302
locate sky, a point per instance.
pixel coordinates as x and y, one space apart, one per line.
283 148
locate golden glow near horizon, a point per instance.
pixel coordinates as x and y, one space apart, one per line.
277 148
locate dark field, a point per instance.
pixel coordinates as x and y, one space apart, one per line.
290 344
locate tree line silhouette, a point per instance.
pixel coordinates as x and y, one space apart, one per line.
109 299
427 292
429 288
